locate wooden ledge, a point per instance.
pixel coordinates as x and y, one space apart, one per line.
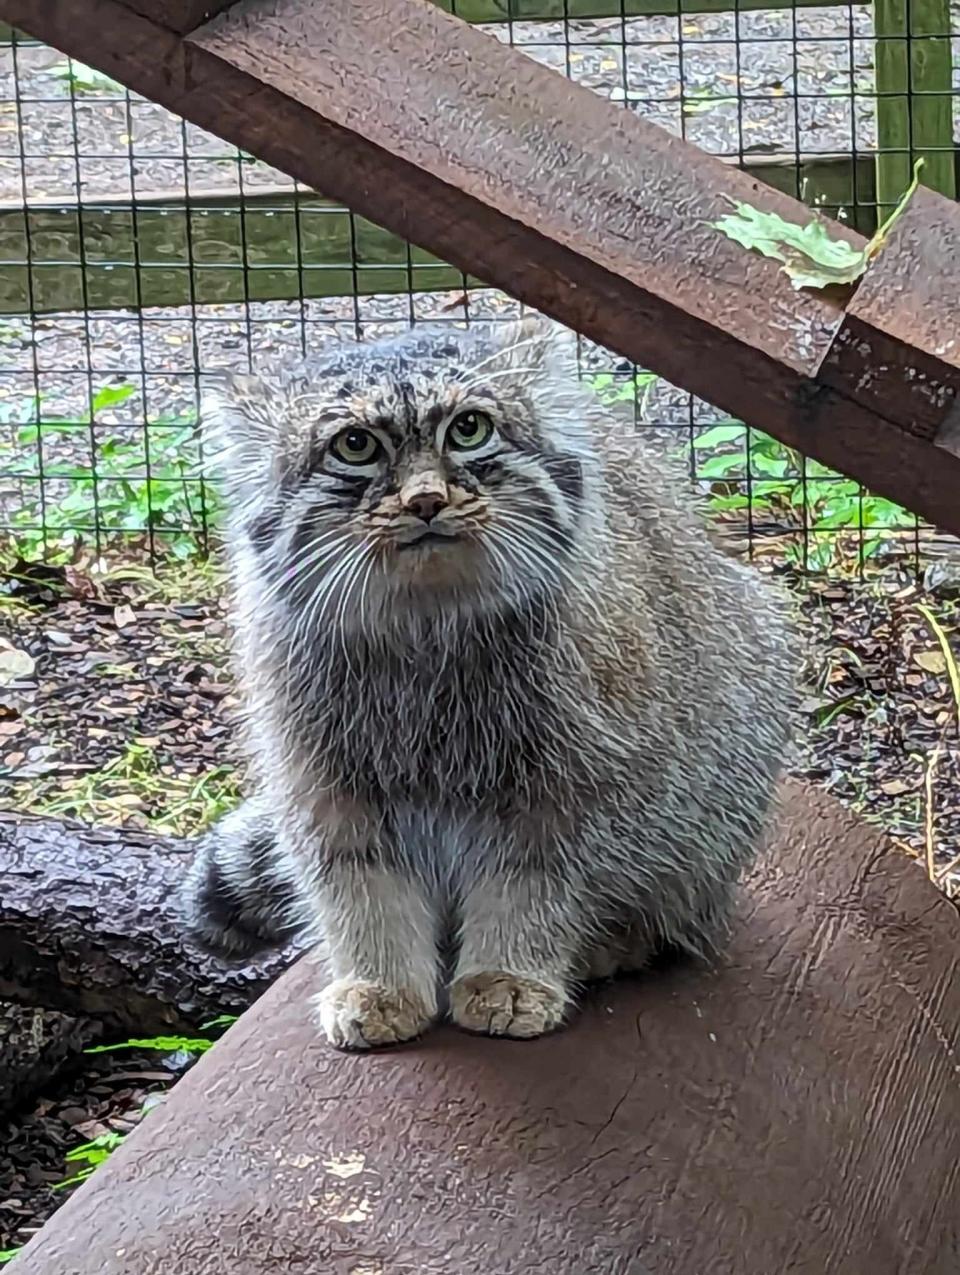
798 1109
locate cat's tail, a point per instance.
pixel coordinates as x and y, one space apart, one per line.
239 895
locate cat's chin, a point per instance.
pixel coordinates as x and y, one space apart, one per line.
434 562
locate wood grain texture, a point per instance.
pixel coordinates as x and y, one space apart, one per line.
181 16
898 349
579 208
88 926
796 1110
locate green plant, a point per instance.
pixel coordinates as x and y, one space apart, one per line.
165 1044
133 786
8 1254
83 79
748 469
90 1155
618 389
838 514
810 256
949 658
171 1044
700 101
123 483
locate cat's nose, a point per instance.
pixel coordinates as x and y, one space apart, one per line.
424 496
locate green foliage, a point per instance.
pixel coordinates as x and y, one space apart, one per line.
222 1020
90 1155
618 389
782 486
700 101
134 787
171 1044
809 254
83 79
8 1254
128 482
775 483
165 1044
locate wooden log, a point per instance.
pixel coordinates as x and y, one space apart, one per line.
109 252
536 185
795 1110
88 926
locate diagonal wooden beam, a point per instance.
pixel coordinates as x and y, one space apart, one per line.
580 208
181 16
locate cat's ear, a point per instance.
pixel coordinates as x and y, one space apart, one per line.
543 345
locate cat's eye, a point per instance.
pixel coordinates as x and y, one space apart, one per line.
469 430
356 447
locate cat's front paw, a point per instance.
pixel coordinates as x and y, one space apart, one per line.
360 1015
500 1004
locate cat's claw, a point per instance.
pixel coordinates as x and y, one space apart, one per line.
501 1004
361 1015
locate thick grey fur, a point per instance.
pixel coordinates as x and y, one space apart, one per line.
490 766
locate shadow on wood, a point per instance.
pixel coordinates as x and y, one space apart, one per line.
797 1110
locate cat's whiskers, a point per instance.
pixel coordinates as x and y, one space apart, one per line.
360 561
313 614
535 544
466 386
295 572
557 564
503 353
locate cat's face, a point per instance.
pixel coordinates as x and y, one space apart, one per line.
443 469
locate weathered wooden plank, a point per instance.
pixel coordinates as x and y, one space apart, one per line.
795 1110
204 251
178 15
498 165
914 84
109 253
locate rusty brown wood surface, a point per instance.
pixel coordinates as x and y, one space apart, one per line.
797 1110
181 16
497 164
899 345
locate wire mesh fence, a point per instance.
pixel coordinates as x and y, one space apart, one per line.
139 254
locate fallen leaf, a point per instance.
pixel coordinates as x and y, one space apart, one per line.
893 787
810 257
14 663
123 616
931 661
